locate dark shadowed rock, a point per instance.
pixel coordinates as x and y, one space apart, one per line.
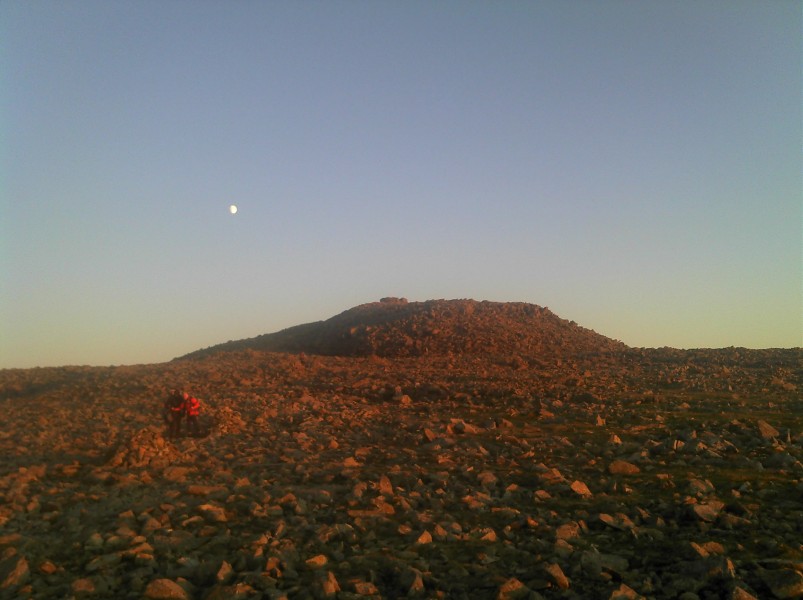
784 583
14 572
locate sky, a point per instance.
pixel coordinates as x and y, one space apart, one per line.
634 166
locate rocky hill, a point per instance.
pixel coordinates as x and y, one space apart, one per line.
394 327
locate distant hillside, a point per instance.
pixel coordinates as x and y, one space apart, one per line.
394 327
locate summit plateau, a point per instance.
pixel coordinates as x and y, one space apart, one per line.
394 327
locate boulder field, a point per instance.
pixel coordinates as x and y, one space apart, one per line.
638 474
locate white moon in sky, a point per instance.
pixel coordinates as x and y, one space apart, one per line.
233 208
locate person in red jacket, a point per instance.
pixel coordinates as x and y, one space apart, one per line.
192 408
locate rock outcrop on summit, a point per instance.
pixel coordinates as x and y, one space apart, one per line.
394 327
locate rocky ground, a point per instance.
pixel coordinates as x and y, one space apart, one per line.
632 474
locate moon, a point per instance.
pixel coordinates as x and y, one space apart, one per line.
233 209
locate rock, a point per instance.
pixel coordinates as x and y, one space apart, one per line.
784 583
212 513
593 563
317 562
699 487
176 474
618 521
738 593
568 531
365 588
424 538
624 592
412 580
766 430
563 549
385 486
14 572
83 587
622 467
614 564
555 573
487 479
94 542
512 589
48 568
165 589
330 586
707 511
581 489
225 573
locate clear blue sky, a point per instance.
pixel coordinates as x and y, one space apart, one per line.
634 166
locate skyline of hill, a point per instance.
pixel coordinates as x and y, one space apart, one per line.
395 327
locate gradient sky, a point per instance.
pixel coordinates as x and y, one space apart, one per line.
634 166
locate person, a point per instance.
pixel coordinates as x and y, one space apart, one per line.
175 411
166 412
192 408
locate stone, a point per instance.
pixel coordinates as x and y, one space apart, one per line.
365 588
487 479
618 521
784 583
568 531
622 467
165 589
557 576
699 487
225 573
429 435
766 430
213 513
330 586
317 562
581 489
512 589
14 572
625 592
613 563
83 587
175 474
412 580
707 511
424 538
385 486
48 567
